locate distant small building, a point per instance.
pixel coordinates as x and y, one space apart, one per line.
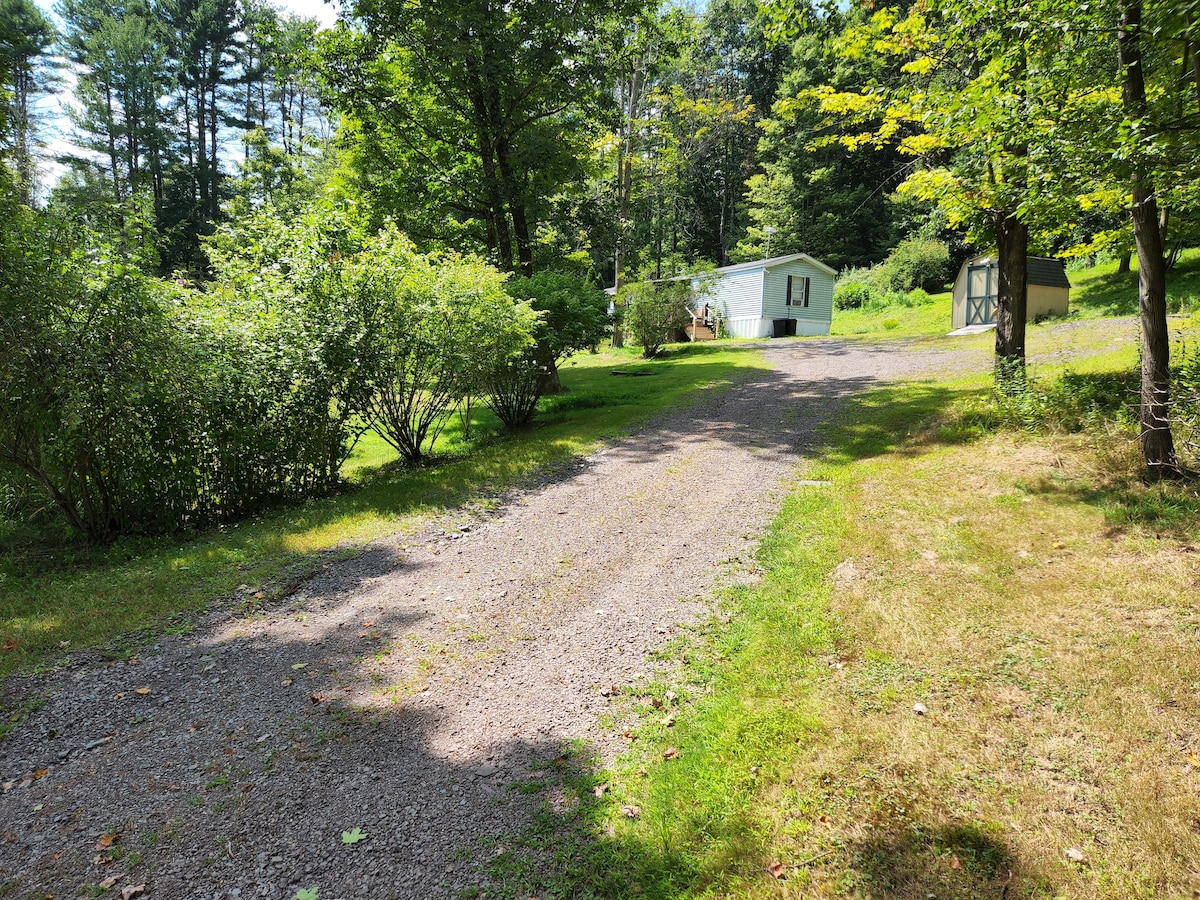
771 297
975 289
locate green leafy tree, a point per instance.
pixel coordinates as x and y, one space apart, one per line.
574 316
26 36
483 103
654 310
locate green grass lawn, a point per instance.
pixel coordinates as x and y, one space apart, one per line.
58 597
1101 291
930 319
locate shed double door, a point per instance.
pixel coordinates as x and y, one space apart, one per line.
981 295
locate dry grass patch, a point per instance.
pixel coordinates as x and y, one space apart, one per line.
1055 654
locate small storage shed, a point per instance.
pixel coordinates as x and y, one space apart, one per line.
975 289
772 297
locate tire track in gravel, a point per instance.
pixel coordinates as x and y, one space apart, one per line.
409 690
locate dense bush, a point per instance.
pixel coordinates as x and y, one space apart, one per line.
289 355
95 389
448 330
574 317
134 404
905 278
916 263
653 311
854 295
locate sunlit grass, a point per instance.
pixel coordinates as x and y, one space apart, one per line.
932 318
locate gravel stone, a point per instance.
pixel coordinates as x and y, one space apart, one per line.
409 691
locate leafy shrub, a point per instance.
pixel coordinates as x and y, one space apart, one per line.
854 295
918 297
290 355
574 317
138 405
916 263
653 311
447 329
94 384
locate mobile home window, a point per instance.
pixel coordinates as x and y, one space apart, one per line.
797 296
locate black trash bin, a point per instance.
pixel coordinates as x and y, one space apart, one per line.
779 327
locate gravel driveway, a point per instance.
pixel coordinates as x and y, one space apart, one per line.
409 691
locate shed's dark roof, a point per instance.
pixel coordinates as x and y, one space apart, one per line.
1048 272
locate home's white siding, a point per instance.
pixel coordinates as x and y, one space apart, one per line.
736 296
817 316
750 296
746 327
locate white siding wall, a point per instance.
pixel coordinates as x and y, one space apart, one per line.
816 318
747 327
738 296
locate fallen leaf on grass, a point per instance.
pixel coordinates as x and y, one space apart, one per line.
671 753
143 691
315 698
132 891
354 836
1193 759
628 735
1074 855
668 721
369 624
631 811
40 773
601 789
10 645
672 696
106 840
110 881
656 703
920 709
955 862
775 870
120 696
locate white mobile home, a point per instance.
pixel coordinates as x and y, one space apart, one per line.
772 297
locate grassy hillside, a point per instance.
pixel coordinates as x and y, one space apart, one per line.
1097 291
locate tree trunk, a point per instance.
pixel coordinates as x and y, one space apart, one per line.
516 208
549 381
625 188
1012 241
1158 446
1123 265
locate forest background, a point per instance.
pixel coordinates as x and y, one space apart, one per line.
263 227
